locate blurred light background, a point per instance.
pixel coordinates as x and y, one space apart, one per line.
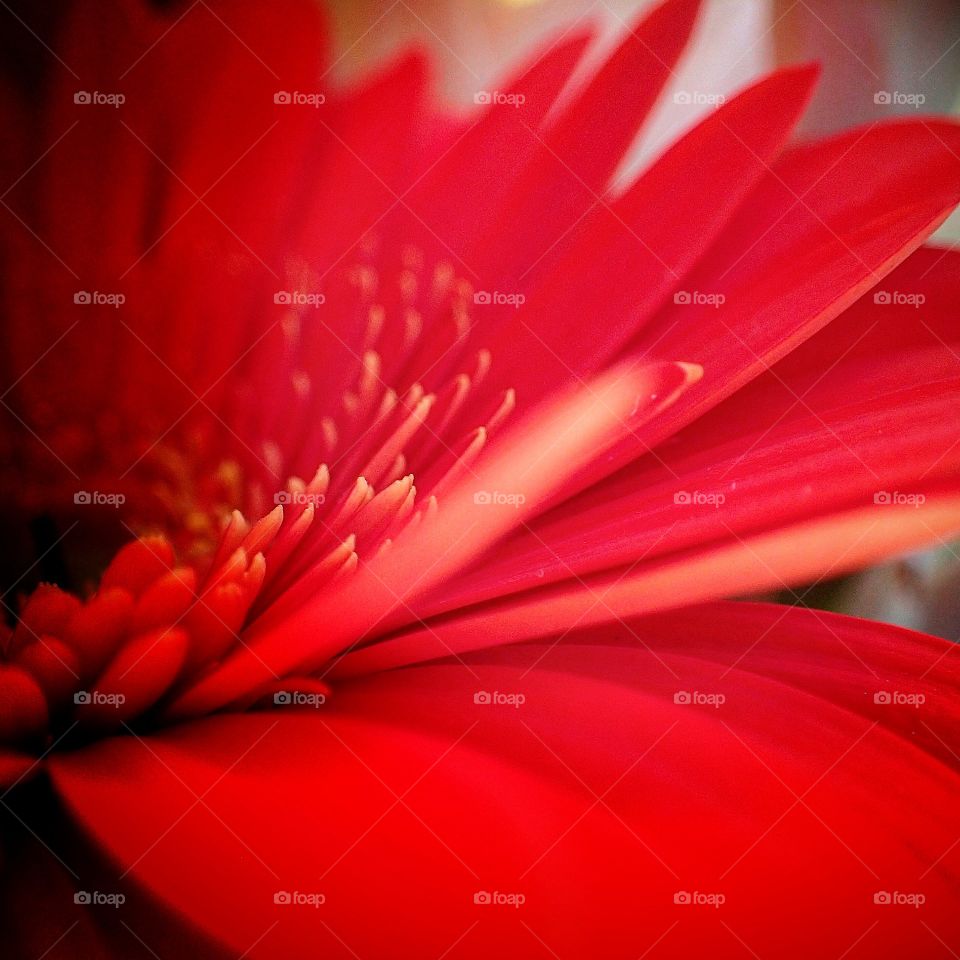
879 58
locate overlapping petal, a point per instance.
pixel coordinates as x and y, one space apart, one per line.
578 776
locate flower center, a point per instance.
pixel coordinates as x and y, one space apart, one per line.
243 513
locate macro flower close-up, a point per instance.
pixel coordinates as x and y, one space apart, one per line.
424 517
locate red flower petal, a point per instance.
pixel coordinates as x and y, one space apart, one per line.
765 561
637 248
816 235
576 156
601 798
809 437
468 174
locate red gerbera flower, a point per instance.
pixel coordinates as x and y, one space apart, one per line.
368 387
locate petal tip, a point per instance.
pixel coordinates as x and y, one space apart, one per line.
693 372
